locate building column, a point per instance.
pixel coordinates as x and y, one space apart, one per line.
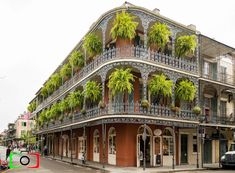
197 146
103 143
71 145
53 144
218 104
62 143
174 146
85 148
103 26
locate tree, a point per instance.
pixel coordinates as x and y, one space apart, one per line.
185 90
159 35
124 26
92 91
120 81
92 44
159 84
185 45
76 60
28 137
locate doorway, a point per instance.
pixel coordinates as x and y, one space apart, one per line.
184 149
208 151
147 151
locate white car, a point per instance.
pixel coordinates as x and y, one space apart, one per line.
228 160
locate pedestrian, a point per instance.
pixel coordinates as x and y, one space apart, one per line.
45 150
8 151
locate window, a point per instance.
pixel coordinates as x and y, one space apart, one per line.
223 110
167 145
206 69
194 143
96 140
112 141
23 124
23 132
223 73
82 145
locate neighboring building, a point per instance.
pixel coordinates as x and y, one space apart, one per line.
3 137
114 134
22 125
10 134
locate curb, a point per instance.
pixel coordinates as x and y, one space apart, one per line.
79 164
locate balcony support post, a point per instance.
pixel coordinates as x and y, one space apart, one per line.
174 147
62 143
71 145
103 142
218 115
103 26
53 144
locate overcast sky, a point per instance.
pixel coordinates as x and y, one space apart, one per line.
36 35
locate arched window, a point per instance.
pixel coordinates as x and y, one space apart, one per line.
96 141
167 142
112 140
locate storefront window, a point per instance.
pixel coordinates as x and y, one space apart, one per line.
82 145
167 143
194 143
96 142
112 141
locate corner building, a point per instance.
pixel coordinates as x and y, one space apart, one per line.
115 134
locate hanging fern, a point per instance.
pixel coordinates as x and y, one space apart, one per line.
159 35
159 84
92 44
185 90
185 45
124 26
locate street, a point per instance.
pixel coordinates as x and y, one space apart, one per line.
48 166
53 166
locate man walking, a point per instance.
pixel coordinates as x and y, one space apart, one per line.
8 151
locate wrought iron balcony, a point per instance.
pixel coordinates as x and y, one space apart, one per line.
220 77
125 109
215 119
139 53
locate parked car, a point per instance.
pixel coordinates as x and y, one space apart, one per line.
228 160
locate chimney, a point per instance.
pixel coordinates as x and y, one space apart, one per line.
156 10
192 26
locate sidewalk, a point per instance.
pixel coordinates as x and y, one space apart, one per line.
110 168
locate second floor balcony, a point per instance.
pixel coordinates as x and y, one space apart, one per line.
127 54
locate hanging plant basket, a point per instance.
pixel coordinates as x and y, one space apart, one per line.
102 105
145 104
197 110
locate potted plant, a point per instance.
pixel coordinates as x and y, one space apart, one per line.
65 72
92 91
145 103
185 90
124 29
185 45
76 60
197 110
121 81
158 36
175 109
159 84
56 81
102 104
83 112
92 44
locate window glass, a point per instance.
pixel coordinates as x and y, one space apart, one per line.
194 143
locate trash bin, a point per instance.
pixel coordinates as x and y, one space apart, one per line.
158 159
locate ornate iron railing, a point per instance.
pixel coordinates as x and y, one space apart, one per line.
125 109
215 119
125 52
220 77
